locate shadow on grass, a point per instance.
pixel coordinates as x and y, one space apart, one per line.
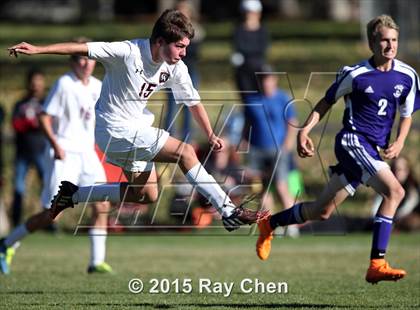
216 305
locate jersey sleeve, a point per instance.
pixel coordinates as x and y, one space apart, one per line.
182 86
417 102
54 103
109 52
411 102
342 86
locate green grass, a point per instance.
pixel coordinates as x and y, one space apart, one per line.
321 272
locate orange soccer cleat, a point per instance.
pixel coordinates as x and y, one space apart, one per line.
379 270
263 245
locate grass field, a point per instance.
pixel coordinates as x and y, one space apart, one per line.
324 272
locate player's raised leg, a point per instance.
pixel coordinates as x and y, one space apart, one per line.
384 183
183 154
143 186
333 195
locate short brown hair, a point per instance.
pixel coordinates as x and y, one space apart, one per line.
378 22
172 26
81 39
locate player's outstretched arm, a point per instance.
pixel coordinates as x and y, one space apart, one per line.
69 48
305 146
201 117
396 147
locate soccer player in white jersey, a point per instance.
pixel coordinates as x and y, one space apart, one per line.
68 120
134 71
373 92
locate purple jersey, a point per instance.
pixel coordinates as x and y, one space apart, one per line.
372 98
417 104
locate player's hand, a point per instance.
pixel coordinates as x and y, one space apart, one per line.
217 143
59 153
394 150
23 48
305 146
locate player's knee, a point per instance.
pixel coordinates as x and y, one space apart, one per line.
152 194
188 153
102 207
323 216
395 194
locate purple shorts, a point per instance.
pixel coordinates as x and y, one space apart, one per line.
358 160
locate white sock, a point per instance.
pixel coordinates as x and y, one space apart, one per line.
17 234
104 192
209 188
97 246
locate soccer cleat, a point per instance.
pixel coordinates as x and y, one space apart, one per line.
10 252
379 270
263 246
101 268
4 266
243 216
63 199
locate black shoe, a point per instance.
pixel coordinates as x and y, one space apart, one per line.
243 216
63 199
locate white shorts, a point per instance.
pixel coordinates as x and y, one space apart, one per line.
131 148
81 169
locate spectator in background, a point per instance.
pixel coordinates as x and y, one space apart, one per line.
269 122
68 121
250 45
190 59
30 142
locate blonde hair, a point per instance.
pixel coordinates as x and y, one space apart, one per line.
380 21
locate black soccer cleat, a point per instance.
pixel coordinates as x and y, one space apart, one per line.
63 199
243 216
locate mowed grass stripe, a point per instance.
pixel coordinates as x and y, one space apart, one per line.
321 272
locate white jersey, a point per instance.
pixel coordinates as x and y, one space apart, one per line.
72 105
131 78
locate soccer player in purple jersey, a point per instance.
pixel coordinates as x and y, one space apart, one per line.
373 91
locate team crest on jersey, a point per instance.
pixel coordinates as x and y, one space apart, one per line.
398 90
164 76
